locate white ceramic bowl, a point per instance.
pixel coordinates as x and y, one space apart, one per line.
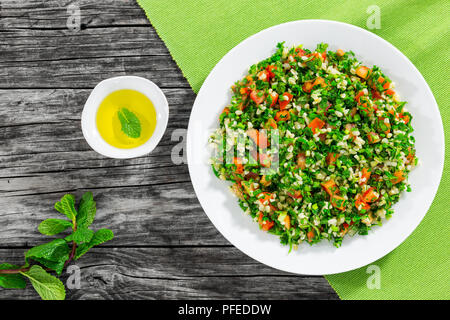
100 92
222 207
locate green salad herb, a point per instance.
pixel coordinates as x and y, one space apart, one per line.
57 254
344 145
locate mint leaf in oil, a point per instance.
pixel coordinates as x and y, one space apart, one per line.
131 125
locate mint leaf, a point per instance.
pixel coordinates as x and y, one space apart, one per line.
131 125
11 281
46 285
82 235
101 236
51 227
52 255
81 250
86 210
67 206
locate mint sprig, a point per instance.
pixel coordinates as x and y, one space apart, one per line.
130 123
57 254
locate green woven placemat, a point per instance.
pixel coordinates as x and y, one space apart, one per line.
198 33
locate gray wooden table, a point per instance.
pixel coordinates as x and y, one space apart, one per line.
165 246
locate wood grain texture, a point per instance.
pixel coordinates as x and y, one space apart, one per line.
43 155
180 273
165 246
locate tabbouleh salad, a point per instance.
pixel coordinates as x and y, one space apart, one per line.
344 145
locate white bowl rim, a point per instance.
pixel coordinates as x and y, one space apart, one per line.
103 89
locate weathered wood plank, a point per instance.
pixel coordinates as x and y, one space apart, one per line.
177 273
43 155
87 72
47 14
46 54
147 215
47 123
44 45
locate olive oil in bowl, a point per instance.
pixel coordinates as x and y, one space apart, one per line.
126 119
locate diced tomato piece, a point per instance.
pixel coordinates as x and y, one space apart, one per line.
332 157
373 137
265 225
310 84
265 160
386 84
253 134
270 71
390 92
361 93
360 204
244 90
287 222
257 96
392 111
296 194
265 197
316 55
310 235
274 97
300 52
264 75
365 175
285 99
324 55
239 166
411 156
362 71
259 137
271 123
282 115
405 118
307 86
376 95
340 52
301 160
316 124
330 187
265 181
338 202
319 81
366 109
399 177
263 141
370 195
226 110
260 216
242 105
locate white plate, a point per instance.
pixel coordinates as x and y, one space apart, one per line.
222 207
